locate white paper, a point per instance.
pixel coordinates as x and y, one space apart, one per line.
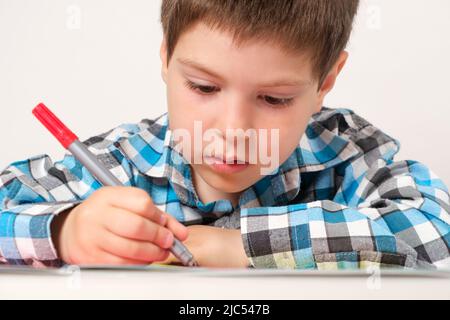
214 272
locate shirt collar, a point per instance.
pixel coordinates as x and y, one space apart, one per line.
151 151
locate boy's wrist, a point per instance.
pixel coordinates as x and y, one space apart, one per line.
237 246
56 228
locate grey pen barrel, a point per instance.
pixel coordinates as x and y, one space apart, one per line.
95 167
106 178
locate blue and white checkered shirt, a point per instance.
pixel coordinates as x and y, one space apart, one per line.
339 201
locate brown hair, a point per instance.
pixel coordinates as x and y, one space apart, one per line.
320 28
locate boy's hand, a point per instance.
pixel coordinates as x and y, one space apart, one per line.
214 247
116 225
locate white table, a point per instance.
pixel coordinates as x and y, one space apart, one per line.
154 284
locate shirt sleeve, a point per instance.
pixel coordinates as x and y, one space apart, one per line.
394 214
35 190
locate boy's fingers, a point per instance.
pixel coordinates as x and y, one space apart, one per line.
179 230
129 225
171 259
110 259
132 199
143 251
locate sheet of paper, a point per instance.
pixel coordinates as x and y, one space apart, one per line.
213 272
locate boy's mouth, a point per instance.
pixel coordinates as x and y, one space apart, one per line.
226 165
225 160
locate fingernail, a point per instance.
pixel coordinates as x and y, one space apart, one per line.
168 240
162 220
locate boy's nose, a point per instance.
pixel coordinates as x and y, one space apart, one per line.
237 114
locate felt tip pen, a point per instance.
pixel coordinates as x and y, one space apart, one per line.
71 142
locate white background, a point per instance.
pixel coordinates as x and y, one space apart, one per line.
96 64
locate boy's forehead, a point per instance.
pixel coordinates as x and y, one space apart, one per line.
203 45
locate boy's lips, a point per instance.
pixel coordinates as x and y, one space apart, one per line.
221 165
224 160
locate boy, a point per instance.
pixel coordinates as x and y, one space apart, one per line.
333 196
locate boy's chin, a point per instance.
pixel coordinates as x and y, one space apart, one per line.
229 183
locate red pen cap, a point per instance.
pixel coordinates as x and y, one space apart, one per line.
54 125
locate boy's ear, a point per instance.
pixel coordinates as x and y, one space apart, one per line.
163 56
331 77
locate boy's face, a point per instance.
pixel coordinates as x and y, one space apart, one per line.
254 86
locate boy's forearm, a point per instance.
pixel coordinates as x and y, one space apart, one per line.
215 247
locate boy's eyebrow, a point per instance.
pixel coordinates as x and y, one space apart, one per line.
199 66
277 83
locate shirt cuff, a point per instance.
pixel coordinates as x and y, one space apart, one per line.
26 238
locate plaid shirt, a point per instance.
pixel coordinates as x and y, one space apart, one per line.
339 201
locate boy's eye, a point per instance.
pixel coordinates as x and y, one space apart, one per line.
278 101
209 90
201 89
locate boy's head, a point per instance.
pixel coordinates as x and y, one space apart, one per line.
248 65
